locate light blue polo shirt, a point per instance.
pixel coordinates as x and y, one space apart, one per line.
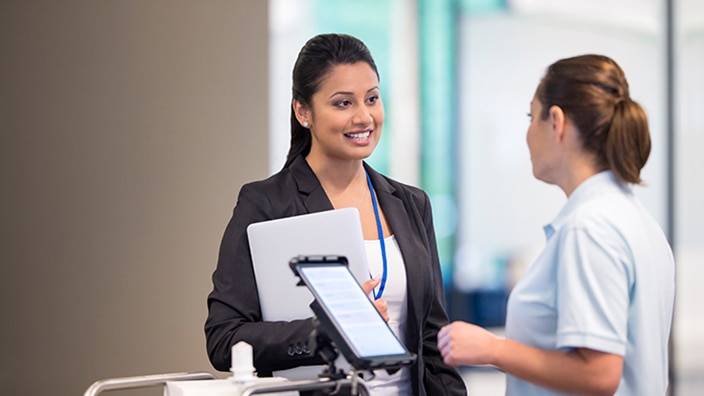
605 281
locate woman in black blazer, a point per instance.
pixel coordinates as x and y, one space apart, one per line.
336 121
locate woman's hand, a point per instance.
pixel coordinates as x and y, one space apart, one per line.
577 371
381 305
464 343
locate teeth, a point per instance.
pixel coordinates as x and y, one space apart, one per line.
358 136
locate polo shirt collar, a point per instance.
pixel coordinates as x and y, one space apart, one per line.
595 186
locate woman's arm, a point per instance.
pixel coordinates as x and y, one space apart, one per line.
233 305
581 370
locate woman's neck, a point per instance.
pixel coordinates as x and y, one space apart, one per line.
338 177
345 184
580 169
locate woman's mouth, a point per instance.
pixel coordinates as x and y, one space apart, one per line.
359 136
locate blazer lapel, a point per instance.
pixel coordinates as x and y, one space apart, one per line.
309 188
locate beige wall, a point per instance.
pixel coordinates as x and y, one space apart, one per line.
127 128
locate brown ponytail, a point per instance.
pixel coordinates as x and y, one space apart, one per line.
593 92
628 142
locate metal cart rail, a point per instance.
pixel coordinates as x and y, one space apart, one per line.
358 387
145 381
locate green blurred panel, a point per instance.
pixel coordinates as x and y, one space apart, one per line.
437 30
479 6
370 21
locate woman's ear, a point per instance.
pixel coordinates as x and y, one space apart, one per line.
557 121
302 113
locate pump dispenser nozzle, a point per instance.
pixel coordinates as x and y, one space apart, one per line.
242 362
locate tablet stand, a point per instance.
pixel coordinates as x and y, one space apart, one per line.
324 347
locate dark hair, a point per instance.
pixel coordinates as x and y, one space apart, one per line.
315 61
593 92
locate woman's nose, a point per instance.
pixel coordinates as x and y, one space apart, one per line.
362 116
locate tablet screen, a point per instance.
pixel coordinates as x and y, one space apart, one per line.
353 315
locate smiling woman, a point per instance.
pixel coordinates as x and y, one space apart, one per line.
336 121
345 116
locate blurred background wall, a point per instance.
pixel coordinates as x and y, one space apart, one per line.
126 129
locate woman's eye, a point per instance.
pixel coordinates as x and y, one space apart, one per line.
373 99
343 103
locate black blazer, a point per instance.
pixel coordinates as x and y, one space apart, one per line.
233 306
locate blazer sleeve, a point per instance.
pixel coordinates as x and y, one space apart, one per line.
234 313
439 378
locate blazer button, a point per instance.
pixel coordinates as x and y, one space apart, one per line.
298 349
290 350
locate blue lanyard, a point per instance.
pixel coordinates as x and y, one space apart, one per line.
380 231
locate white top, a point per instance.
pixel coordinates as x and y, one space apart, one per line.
395 295
605 281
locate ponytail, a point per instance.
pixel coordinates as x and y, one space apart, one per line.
628 141
592 90
300 140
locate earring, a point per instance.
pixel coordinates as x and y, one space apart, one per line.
305 124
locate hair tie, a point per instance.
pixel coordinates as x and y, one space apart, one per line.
621 100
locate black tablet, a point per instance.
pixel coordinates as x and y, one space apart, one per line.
348 316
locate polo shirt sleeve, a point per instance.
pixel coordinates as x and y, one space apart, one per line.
593 284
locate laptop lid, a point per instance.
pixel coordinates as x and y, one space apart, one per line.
274 243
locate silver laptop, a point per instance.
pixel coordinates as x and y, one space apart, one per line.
274 243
